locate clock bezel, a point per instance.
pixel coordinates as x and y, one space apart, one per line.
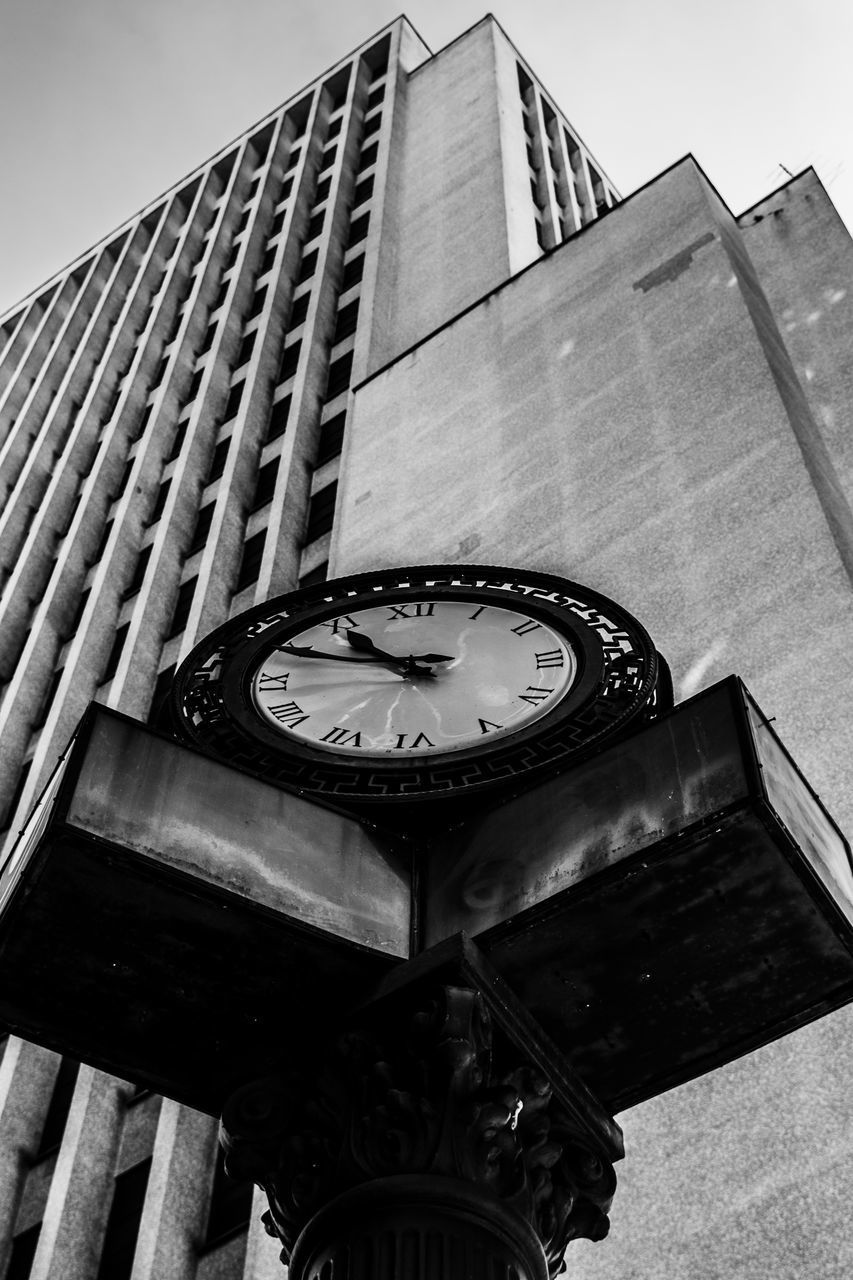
213 706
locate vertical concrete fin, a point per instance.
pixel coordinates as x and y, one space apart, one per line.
816 456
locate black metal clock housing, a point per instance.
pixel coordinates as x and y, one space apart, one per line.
412 684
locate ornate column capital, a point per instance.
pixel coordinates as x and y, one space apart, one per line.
427 1085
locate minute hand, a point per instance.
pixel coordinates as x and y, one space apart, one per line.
299 651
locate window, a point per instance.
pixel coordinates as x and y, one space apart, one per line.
139 572
277 223
299 311
115 653
125 476
78 613
353 272
230 1204
244 221
375 98
161 372
377 58
232 258
178 441
157 712
207 343
265 484
331 438
235 395
123 1223
340 372
159 502
195 384
23 1252
49 695
15 798
327 159
221 295
289 361
373 125
217 463
102 545
286 188
246 346
320 574
368 157
346 322
293 159
334 128
308 267
363 191
267 262
250 565
315 226
278 419
58 1108
202 527
183 604
144 420
321 512
323 189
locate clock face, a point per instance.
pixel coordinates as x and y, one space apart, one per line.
418 683
426 676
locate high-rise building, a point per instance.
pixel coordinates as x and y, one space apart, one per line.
390 325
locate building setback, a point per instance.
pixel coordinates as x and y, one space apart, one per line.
388 325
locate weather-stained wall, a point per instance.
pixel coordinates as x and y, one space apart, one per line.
456 232
636 411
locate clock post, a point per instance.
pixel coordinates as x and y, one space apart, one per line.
439 1135
427 881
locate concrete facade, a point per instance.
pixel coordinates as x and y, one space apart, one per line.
172 412
660 409
388 325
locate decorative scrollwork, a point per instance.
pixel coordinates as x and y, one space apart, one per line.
420 1097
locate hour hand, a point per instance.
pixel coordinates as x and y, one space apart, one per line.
364 644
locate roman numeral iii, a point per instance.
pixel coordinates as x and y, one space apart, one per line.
553 658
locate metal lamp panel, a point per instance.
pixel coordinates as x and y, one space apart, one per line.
154 963
666 907
151 796
647 788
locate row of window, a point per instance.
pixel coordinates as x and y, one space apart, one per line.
229 1206
321 506
592 194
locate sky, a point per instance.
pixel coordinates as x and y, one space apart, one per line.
106 103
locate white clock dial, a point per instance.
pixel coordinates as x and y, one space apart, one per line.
416 678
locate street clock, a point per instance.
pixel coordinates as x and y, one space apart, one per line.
420 682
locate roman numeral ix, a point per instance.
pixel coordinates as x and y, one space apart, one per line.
337 625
